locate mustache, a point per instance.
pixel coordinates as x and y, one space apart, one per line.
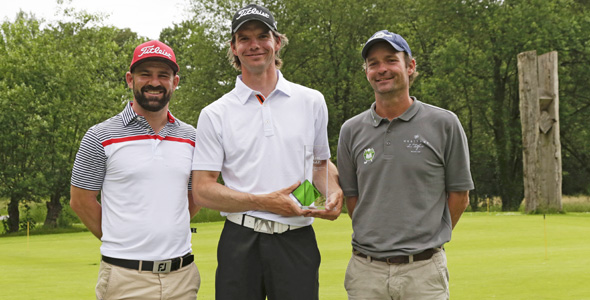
153 88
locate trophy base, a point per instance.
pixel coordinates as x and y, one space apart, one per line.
314 207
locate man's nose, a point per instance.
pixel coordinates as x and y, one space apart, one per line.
154 80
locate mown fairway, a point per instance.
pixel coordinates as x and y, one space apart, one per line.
492 256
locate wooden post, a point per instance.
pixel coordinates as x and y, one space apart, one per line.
539 114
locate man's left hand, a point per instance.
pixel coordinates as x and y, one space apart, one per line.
332 210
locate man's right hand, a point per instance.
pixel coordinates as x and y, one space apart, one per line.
279 202
207 192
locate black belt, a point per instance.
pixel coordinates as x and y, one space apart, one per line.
162 266
401 259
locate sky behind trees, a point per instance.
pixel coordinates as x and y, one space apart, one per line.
145 17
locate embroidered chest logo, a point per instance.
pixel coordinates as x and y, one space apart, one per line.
416 144
368 155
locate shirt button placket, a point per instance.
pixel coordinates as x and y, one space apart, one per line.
388 147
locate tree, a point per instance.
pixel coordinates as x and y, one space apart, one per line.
474 74
323 51
205 74
325 54
574 58
59 81
466 54
20 120
87 87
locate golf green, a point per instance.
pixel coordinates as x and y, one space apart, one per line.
491 256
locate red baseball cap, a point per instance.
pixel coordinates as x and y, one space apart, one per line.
154 50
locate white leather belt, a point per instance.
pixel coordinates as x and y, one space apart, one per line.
260 225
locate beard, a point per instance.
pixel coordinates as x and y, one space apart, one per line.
149 102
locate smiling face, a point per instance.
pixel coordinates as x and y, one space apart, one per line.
153 83
255 46
387 71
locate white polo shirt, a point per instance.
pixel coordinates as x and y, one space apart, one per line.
144 182
259 147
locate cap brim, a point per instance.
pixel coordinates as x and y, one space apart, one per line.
170 63
246 21
377 40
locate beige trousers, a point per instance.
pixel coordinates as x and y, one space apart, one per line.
375 280
121 283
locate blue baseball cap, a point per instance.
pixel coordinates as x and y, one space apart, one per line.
395 40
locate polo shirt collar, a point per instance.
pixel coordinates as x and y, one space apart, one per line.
406 116
243 92
128 115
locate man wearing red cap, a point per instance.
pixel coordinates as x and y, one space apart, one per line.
255 136
140 163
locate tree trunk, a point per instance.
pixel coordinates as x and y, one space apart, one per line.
13 215
500 136
474 201
54 208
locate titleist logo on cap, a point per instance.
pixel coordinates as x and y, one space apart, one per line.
156 50
381 35
251 11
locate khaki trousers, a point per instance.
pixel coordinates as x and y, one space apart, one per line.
121 283
375 280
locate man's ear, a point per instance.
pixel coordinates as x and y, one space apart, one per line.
278 43
233 48
176 81
412 67
129 79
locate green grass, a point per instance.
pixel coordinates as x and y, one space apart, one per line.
492 256
515 256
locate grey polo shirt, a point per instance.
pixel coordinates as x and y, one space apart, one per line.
401 172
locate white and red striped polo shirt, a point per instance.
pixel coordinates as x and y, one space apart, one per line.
144 180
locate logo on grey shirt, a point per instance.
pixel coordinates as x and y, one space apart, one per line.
416 144
368 155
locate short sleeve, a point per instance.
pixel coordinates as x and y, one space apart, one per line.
90 164
209 153
321 129
346 163
457 166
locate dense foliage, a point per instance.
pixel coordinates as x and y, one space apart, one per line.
56 80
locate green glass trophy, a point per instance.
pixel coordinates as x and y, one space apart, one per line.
314 182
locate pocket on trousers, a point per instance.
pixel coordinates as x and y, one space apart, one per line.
196 276
348 275
102 284
440 261
358 277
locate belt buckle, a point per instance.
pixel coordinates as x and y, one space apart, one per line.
163 266
264 226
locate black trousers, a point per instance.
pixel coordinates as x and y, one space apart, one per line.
254 266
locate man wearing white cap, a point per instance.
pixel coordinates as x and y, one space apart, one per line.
140 163
255 136
404 169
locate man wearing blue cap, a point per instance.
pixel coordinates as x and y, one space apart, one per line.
404 170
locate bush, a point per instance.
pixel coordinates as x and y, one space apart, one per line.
27 222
